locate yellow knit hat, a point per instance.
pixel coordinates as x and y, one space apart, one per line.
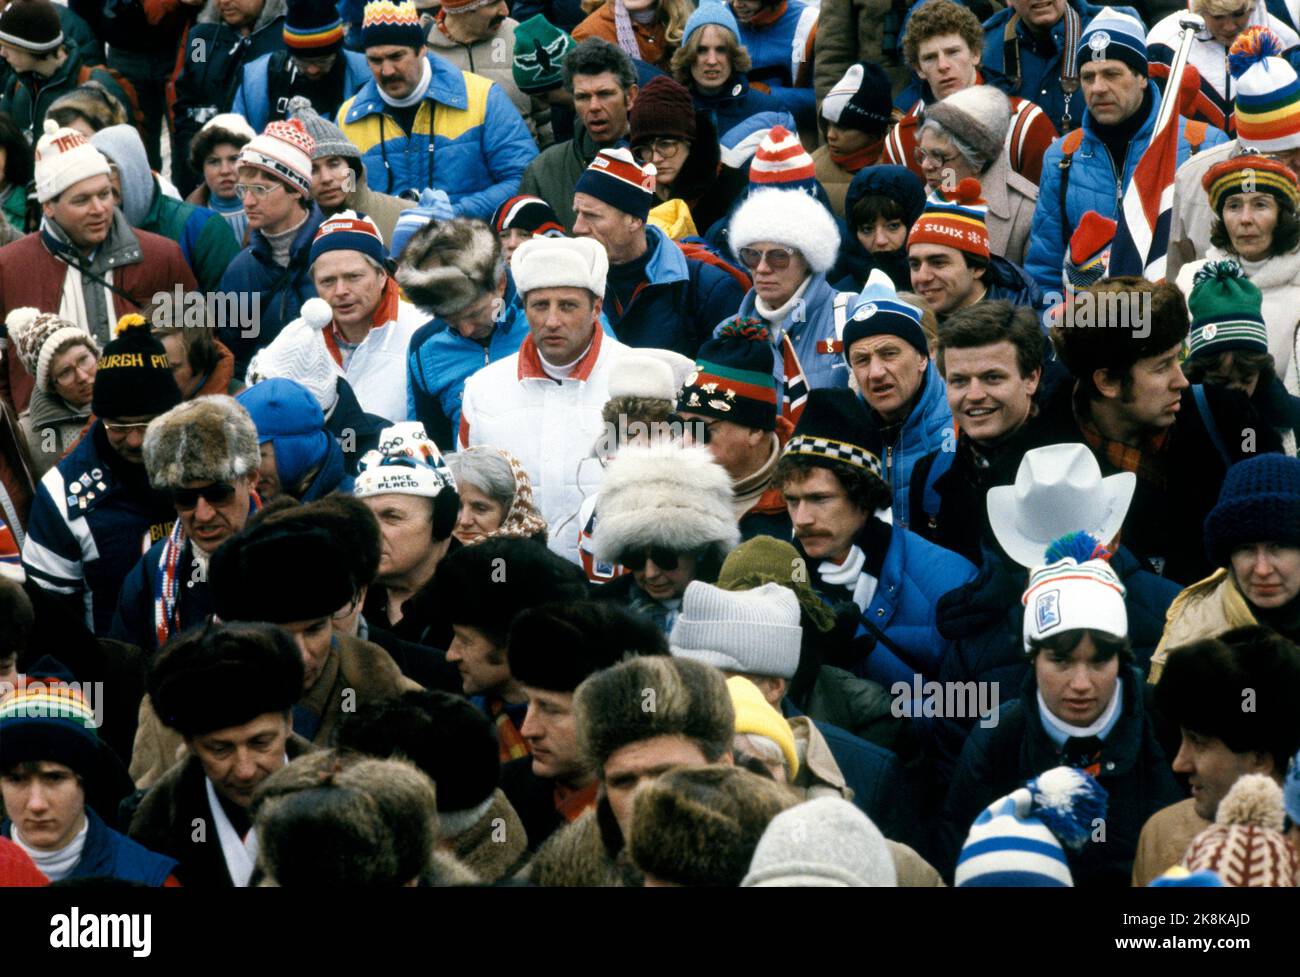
754 715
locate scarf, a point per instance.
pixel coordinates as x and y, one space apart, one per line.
1069 75
83 300
850 575
868 155
511 744
239 853
768 16
626 33
1146 461
417 93
56 865
777 316
166 599
746 491
572 803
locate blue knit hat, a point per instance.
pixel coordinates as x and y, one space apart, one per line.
878 311
1258 503
286 414
348 231
620 181
1114 36
1017 840
711 12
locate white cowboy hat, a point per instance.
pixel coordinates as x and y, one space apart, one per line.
1058 490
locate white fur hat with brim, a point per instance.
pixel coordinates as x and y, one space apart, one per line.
1058 490
791 218
665 495
560 262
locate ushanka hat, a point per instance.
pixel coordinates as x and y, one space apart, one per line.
732 379
540 49
38 337
1226 316
1266 96
48 719
1245 846
284 150
1249 173
556 646
617 179
447 266
560 262
836 427
1019 840
384 22
210 438
313 28
1074 589
134 377
955 219
860 100
1114 36
878 311
788 217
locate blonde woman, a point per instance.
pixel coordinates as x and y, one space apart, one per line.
646 30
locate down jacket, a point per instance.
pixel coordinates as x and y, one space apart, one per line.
108 854
1093 185
467 140
253 99
782 55
924 431
1206 609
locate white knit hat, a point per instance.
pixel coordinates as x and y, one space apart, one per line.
284 150
38 337
823 843
754 632
406 463
299 353
788 217
64 157
1076 591
560 262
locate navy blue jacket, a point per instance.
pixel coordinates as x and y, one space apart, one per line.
108 854
737 102
134 620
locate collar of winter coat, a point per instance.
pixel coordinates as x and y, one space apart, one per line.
46 408
1120 751
817 766
1141 137
734 89
271 10
930 409
530 361
478 848
121 247
446 87
298 250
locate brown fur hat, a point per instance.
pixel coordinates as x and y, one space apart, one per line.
647 697
699 826
449 265
206 439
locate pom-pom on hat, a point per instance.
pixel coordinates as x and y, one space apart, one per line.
560 262
1225 307
860 100
754 714
1266 105
1259 502
616 178
313 28
301 356
210 438
384 22
540 49
1114 36
527 213
1075 589
284 150
732 379
349 231
327 138
791 218
878 311
782 162
1250 174
1179 877
134 376
63 157
48 719
1020 840
1089 252
32 26
406 462
38 337
954 219
1245 846
754 632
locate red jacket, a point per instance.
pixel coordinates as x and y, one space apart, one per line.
31 276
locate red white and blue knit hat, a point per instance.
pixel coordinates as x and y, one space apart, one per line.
616 178
385 22
349 231
1017 840
313 28
284 150
782 163
954 219
527 213
1076 589
1089 252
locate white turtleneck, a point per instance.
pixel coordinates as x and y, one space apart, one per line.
1058 730
562 372
777 316
417 93
56 865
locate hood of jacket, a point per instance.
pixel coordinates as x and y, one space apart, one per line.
45 409
122 145
1009 281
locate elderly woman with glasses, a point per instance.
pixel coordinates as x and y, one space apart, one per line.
496 497
788 241
965 135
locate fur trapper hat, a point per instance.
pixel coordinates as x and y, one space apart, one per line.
655 696
207 439
789 217
665 495
447 266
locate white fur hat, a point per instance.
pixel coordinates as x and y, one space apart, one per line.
638 374
560 262
788 217
664 495
64 157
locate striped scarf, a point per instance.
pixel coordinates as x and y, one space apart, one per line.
511 743
166 600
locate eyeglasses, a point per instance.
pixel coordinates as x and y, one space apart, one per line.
84 363
701 432
664 559
215 494
943 159
124 428
778 259
663 148
256 189
325 63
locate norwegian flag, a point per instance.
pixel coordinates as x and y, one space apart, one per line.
796 383
1142 237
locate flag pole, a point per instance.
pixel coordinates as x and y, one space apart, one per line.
1190 25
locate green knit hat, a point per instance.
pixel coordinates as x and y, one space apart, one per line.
540 49
765 559
1225 307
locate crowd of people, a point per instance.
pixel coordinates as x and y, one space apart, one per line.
646 442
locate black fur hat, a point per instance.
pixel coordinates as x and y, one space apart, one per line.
556 646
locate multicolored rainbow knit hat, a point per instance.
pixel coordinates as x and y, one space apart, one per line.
1250 174
955 219
1225 307
48 719
1267 106
385 22
313 28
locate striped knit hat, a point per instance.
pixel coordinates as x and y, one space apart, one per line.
1250 174
1076 589
782 162
284 150
385 22
1115 36
836 427
732 379
48 719
1017 840
1267 104
1225 307
1089 252
313 28
620 181
348 231
878 311
1245 845
527 213
954 219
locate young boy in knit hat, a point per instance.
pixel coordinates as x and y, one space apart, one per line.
94 512
62 359
856 113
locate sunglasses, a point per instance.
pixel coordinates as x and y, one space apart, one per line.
778 259
215 494
664 559
700 431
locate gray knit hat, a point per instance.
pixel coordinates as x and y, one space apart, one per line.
210 438
754 632
330 140
979 116
825 843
